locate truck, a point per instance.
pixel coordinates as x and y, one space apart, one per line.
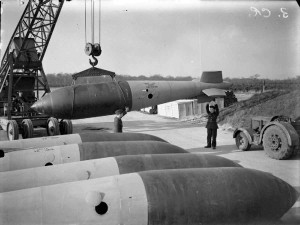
279 135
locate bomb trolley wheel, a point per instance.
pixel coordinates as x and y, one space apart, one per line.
27 127
12 130
66 127
52 126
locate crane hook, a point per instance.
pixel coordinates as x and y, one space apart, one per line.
93 64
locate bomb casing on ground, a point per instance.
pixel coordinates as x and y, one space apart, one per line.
74 139
96 168
29 158
181 196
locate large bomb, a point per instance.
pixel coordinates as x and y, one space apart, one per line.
91 100
91 169
29 158
75 139
158 197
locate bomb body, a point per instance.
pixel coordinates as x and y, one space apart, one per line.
75 139
97 168
91 100
181 196
29 158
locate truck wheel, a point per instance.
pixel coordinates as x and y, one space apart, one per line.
66 127
27 128
12 130
275 143
242 141
52 127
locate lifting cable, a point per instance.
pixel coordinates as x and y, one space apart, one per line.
99 21
92 36
85 22
91 48
92 21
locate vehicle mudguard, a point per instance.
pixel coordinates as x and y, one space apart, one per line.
289 130
246 131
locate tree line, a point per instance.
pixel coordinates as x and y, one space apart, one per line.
252 83
255 84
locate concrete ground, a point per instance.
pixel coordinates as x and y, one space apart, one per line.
192 137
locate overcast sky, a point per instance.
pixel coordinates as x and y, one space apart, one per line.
175 37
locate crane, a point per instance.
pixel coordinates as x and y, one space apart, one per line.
22 77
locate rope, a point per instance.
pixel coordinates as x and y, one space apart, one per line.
122 91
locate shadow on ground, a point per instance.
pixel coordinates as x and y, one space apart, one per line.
222 149
133 126
128 126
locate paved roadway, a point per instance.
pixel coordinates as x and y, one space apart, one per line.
192 137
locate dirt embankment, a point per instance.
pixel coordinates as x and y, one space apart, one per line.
270 103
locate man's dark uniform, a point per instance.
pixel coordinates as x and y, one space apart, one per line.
212 126
118 124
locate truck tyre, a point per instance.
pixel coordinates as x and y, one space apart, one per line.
12 130
275 143
27 127
242 141
52 127
66 127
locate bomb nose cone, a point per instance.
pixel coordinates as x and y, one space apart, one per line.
35 106
43 105
58 103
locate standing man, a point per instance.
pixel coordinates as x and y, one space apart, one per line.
212 110
118 124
